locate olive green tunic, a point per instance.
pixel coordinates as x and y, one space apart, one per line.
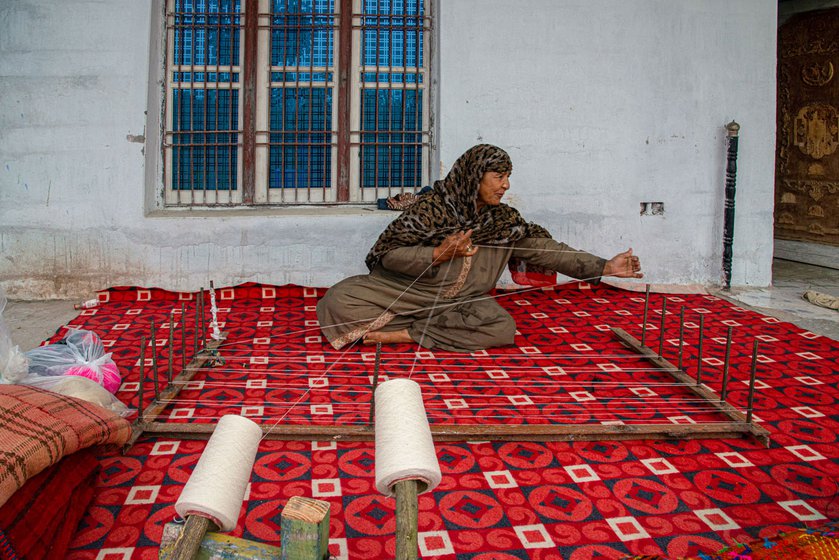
444 306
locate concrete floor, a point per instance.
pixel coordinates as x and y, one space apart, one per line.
32 322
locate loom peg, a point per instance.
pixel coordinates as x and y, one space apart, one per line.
218 545
304 529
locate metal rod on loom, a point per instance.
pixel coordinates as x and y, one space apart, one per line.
142 375
661 327
183 336
154 361
375 381
195 330
724 390
171 343
203 320
646 307
750 403
699 353
681 334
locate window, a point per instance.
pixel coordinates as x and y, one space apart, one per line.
272 102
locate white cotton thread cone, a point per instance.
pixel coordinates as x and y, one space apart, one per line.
404 447
217 486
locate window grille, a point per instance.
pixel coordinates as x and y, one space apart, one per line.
272 102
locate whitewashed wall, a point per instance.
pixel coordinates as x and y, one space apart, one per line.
602 104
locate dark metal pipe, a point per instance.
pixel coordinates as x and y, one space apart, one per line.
375 381
646 308
142 375
183 336
681 335
751 401
724 391
730 184
699 355
661 327
154 361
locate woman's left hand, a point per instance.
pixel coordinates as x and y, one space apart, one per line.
623 265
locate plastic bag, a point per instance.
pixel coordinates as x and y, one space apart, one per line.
82 354
80 388
14 365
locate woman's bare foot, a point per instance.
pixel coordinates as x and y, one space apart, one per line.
389 337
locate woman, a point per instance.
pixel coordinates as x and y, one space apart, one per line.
431 269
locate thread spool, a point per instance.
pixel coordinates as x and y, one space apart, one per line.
216 488
404 447
406 462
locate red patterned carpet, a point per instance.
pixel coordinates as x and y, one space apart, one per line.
497 500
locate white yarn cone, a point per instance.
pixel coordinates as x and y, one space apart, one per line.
217 485
404 447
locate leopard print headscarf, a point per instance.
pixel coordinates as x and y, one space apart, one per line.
451 206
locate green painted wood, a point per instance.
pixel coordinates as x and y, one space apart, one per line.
218 546
304 529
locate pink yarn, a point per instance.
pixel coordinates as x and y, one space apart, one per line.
109 377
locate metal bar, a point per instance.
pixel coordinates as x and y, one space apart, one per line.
723 407
171 348
646 308
751 400
296 164
733 130
311 107
183 336
724 391
375 382
142 371
249 102
191 152
195 329
681 334
203 316
206 54
661 326
699 353
154 360
344 95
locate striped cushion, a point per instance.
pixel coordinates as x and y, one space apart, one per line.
38 428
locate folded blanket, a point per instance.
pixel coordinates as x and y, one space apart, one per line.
38 428
40 519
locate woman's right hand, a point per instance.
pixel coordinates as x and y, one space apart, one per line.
456 245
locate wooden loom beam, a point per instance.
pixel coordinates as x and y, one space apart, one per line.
737 417
470 432
736 427
147 416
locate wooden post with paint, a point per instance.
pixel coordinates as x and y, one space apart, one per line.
304 529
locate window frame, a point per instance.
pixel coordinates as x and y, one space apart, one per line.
252 149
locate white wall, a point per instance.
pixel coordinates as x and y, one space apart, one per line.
601 103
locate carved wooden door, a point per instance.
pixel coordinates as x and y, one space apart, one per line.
807 163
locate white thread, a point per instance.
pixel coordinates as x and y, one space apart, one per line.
214 309
404 448
217 485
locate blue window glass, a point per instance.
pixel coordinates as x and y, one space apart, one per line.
205 112
393 33
206 32
391 117
204 138
391 150
302 35
300 152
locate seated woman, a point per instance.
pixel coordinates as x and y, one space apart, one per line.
432 268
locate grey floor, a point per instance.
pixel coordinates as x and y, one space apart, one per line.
32 322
